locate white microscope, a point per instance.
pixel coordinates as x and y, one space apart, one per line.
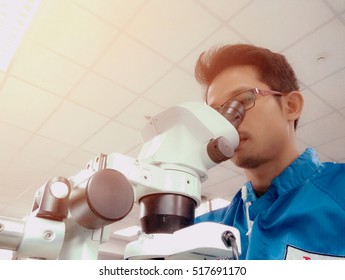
70 218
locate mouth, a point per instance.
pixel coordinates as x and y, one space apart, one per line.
243 136
243 139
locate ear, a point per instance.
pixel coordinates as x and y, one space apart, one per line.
294 104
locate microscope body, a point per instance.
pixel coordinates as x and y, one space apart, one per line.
180 145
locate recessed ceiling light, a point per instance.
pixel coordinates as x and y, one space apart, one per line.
321 57
15 17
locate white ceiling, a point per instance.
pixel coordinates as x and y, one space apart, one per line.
89 71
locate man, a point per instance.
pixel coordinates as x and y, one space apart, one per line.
293 206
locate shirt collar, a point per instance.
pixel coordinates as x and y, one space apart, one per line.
292 177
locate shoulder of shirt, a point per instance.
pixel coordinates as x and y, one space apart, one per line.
330 179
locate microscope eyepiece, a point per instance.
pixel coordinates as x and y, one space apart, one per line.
234 112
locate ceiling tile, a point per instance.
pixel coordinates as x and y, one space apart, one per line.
17 209
29 176
4 166
13 136
101 95
342 111
218 174
72 124
225 188
65 27
324 157
46 69
225 9
334 149
80 158
114 137
262 21
42 146
66 170
174 21
228 164
337 5
332 89
221 37
313 108
316 53
9 194
174 88
36 161
8 153
229 197
24 105
117 12
131 64
2 206
139 112
328 128
28 195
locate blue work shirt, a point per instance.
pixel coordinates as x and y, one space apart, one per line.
301 216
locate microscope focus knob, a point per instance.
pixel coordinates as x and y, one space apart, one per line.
106 198
219 149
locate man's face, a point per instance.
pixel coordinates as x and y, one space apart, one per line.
264 130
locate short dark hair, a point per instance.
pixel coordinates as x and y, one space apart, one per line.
273 68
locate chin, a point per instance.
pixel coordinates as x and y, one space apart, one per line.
235 160
248 161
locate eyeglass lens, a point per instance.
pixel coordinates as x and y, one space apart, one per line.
246 98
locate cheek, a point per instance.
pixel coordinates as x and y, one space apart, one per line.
264 124
273 134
